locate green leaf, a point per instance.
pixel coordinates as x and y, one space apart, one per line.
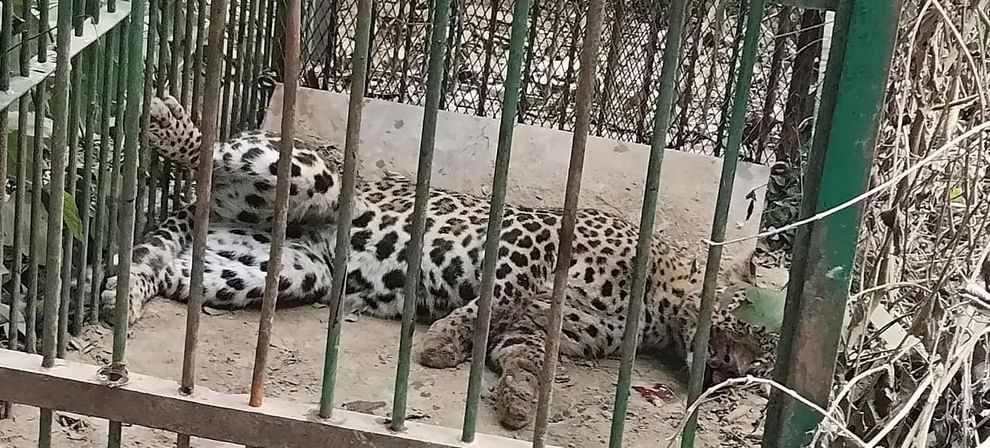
70 216
956 195
763 307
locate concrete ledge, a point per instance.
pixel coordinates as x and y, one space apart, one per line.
156 403
464 160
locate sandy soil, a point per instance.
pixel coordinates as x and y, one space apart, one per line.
580 414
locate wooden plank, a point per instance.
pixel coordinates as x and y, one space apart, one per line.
157 403
38 72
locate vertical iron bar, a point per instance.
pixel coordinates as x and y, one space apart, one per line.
237 60
614 48
132 122
527 69
6 38
96 89
424 172
118 152
510 102
293 38
175 83
729 85
362 40
228 68
486 71
247 55
20 197
661 123
31 338
165 84
582 125
44 28
204 181
838 169
148 190
68 239
102 230
252 94
740 103
198 60
53 250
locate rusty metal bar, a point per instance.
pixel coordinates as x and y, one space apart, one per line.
293 38
661 125
582 126
156 403
346 200
204 181
424 172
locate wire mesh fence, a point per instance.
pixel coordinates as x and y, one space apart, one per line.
632 40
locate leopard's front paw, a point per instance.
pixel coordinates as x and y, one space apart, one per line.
441 350
516 398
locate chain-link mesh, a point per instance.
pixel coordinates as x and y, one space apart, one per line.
632 48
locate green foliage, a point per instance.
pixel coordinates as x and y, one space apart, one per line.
763 307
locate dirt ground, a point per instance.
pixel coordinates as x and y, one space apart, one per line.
580 413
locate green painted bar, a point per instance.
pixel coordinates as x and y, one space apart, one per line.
20 199
661 124
175 82
132 123
737 121
582 126
199 61
293 38
510 104
226 85
36 231
94 89
248 57
5 46
53 249
838 169
118 152
146 188
424 172
253 93
165 83
68 240
188 66
101 231
44 27
237 82
342 246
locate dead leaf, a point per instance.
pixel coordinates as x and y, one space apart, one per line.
364 406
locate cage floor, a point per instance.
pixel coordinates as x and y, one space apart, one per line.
580 414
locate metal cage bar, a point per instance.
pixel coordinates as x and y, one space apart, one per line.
293 38
661 124
95 88
513 89
737 120
133 120
838 168
6 18
204 181
585 92
424 172
342 245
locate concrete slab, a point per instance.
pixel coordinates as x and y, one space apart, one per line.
464 160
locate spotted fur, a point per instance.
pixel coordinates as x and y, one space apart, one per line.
597 297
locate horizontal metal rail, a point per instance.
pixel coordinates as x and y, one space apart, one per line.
157 403
38 72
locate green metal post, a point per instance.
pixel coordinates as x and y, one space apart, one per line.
424 172
838 169
70 186
346 201
53 249
510 103
95 89
34 262
132 123
661 123
20 199
586 80
737 121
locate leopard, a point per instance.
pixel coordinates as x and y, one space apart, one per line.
596 299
